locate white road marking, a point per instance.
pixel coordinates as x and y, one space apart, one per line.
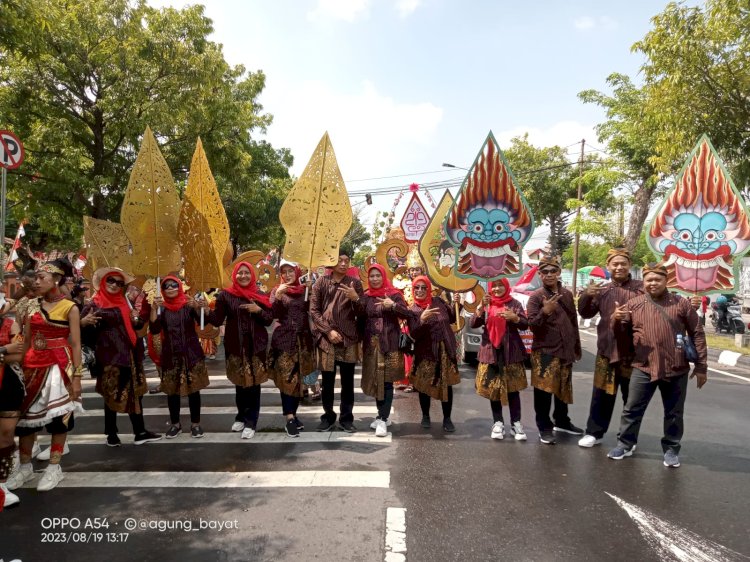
278 479
212 410
675 543
729 374
395 534
261 437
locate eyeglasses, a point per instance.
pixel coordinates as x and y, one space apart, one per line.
420 288
170 285
115 281
548 271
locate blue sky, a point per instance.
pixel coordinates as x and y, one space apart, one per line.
405 85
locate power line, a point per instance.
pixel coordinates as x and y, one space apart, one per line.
401 175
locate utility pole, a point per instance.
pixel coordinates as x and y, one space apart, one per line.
577 238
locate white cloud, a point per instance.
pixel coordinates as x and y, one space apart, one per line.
346 10
372 133
586 23
562 133
407 7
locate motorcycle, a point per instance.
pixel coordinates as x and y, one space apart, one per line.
731 322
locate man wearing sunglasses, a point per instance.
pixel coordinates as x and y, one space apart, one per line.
557 344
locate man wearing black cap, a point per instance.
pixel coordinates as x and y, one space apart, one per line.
657 322
557 344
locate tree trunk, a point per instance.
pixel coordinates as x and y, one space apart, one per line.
641 204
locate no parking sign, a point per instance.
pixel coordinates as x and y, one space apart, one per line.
11 150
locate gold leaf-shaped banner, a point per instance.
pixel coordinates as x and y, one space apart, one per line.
316 214
203 228
150 212
438 253
106 244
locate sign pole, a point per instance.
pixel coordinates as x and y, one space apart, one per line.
2 216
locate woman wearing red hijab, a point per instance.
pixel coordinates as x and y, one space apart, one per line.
183 367
292 350
119 352
382 363
501 373
247 313
435 368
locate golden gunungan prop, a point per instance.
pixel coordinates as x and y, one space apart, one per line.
203 228
316 214
150 212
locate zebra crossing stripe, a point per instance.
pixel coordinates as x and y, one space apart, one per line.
261 437
277 479
268 410
228 390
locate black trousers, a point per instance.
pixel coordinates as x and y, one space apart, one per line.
194 403
514 404
289 404
602 406
136 420
424 403
346 372
673 391
384 405
542 404
247 399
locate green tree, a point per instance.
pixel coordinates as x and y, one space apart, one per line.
79 82
547 188
354 240
631 140
697 79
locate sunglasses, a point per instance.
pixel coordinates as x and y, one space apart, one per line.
548 271
170 285
115 281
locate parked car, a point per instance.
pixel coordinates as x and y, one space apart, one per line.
472 337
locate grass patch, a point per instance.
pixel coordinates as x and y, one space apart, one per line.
721 342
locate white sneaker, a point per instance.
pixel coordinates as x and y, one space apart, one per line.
36 450
374 424
588 441
10 497
248 433
21 474
51 477
238 426
44 455
517 430
498 430
382 429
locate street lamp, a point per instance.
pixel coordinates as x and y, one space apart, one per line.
447 165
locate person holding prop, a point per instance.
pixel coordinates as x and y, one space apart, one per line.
435 368
183 366
334 325
501 373
292 350
247 312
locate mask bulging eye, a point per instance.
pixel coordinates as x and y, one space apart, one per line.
499 227
478 228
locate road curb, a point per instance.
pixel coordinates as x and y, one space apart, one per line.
729 358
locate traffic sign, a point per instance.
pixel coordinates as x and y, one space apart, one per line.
11 150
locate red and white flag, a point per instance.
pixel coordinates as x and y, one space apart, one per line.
16 244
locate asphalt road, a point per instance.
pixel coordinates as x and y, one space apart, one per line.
327 496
